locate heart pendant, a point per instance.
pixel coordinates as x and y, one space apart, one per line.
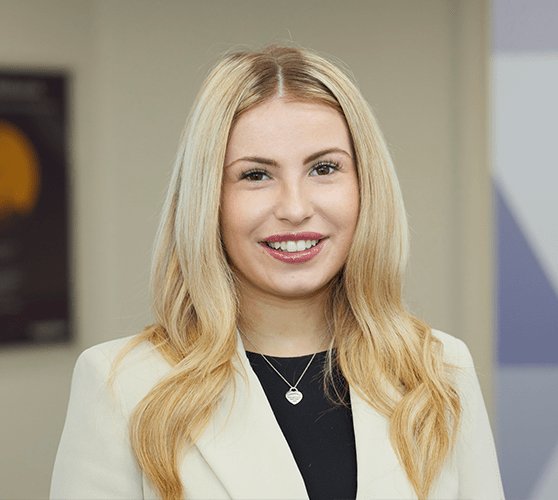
294 396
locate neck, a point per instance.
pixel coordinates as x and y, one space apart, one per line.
285 328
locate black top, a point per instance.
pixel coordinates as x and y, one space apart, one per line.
319 432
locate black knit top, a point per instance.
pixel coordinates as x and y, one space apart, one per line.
319 432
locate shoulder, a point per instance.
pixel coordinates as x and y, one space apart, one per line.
455 351
129 351
95 458
475 453
461 370
131 372
110 350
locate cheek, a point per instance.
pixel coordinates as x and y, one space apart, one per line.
347 216
343 207
231 208
240 217
355 209
227 217
353 203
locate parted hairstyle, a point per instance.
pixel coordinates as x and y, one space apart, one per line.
390 358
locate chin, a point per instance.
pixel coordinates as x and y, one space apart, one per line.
300 291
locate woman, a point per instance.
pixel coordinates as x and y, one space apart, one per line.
282 363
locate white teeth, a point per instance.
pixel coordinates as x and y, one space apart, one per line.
293 246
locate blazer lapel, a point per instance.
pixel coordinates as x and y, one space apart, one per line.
379 473
246 449
245 446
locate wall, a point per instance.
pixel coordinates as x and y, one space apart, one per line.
34 383
525 107
136 68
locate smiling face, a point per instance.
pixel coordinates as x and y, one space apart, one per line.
290 197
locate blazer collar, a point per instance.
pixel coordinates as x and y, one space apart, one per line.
246 448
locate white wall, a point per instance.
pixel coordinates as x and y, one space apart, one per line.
136 67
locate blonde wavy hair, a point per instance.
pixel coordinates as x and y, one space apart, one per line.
389 357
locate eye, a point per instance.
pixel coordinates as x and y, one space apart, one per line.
255 175
324 168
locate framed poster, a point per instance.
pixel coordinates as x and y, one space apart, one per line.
34 275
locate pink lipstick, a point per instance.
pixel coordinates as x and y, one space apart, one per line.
294 257
293 237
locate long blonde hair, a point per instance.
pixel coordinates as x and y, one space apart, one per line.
389 357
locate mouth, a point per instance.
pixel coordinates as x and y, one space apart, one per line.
293 242
295 251
291 246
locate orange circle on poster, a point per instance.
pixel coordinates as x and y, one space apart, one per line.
20 172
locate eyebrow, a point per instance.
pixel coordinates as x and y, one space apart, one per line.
308 159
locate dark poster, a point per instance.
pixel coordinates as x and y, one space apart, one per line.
34 295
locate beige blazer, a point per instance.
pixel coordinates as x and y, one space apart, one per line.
243 454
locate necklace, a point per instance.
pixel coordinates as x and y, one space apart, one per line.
293 395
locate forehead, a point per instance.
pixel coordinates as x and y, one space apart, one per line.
279 125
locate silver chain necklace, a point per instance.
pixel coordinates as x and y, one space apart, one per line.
293 395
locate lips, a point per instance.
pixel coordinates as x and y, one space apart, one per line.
293 242
308 235
294 248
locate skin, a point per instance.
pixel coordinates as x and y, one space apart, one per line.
289 168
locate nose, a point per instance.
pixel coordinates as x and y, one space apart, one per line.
294 203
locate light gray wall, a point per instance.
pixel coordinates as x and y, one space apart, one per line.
136 68
34 383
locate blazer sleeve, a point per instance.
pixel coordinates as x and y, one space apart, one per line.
479 474
94 458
